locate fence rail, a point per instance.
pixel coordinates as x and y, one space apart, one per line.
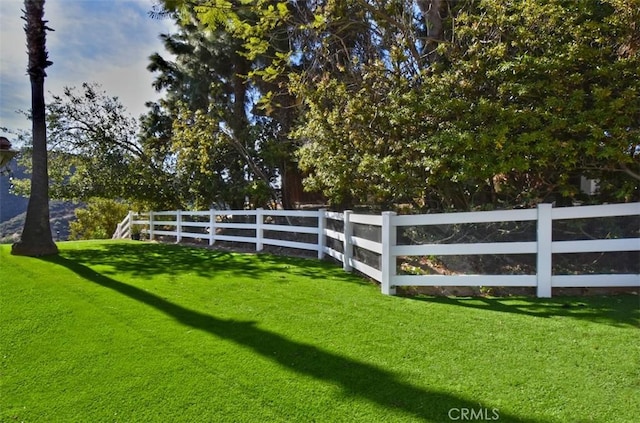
334 235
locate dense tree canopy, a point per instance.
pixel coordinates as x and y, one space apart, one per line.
227 150
522 99
446 103
533 94
95 151
436 103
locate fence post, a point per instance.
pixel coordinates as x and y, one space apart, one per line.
178 226
128 228
259 230
347 248
212 226
543 264
151 226
388 261
322 223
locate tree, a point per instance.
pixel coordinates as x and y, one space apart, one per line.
36 239
224 77
365 144
362 126
516 104
531 95
205 119
98 220
95 151
444 103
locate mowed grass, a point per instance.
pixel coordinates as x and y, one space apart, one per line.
141 332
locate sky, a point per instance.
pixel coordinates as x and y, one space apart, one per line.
103 41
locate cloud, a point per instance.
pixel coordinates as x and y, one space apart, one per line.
103 41
14 84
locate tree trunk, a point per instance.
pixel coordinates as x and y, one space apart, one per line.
36 239
432 10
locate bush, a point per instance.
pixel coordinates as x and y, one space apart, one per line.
98 219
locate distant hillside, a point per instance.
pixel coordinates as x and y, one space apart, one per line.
13 210
61 213
11 205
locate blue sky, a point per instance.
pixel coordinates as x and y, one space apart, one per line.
103 41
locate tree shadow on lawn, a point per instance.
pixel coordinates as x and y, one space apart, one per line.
616 310
354 377
147 259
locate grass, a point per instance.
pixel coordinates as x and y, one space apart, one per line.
141 332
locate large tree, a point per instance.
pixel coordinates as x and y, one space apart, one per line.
445 103
205 121
520 100
36 239
227 110
532 95
95 151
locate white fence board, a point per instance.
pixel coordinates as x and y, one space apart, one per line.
194 235
465 280
333 253
290 244
165 233
372 272
290 229
196 224
334 234
366 219
165 213
596 246
236 225
291 213
583 212
465 249
464 217
543 247
249 240
595 281
367 244
334 215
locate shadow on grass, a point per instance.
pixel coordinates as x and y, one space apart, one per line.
354 377
145 260
617 310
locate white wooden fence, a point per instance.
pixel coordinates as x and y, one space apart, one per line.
210 226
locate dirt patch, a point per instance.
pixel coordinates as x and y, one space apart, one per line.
504 291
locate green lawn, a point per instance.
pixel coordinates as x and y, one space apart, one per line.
142 332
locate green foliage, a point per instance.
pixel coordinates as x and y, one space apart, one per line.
98 219
539 93
440 104
365 145
95 152
523 98
222 146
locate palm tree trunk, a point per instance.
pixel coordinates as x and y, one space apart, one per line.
36 237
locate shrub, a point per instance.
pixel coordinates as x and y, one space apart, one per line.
98 219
